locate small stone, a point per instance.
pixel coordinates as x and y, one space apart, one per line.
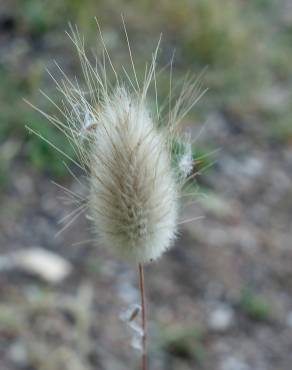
221 318
40 262
234 363
289 319
18 354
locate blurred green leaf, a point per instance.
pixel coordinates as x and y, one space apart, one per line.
254 306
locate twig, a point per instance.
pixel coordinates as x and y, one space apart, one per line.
144 338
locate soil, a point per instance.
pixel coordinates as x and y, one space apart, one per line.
236 260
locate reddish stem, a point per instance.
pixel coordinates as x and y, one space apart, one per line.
143 307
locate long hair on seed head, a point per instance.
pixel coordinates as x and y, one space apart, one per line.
126 151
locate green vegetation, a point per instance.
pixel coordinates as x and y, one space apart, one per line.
42 156
186 343
254 306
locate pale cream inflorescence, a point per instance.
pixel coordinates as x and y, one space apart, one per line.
126 152
133 196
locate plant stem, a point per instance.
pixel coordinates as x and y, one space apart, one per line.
143 307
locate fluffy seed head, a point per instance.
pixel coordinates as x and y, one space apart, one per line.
133 192
135 160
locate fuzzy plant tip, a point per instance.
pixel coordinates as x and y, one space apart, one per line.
133 192
134 159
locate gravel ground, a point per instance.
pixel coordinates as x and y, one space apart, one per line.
220 299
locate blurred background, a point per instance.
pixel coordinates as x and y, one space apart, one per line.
221 299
